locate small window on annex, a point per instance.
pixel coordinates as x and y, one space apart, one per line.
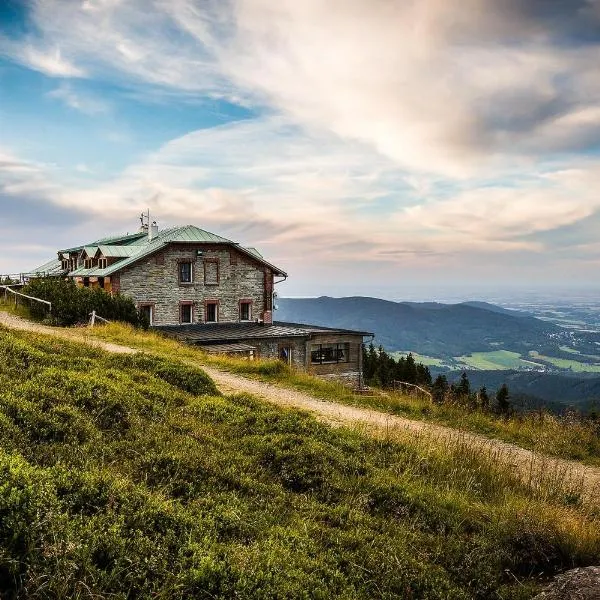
321 354
245 311
211 312
185 272
186 312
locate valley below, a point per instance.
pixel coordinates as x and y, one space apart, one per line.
547 351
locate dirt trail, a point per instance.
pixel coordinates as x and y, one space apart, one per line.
532 465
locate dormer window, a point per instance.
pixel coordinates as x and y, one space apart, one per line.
102 263
64 263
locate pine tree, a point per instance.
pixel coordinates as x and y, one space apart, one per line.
484 399
439 389
503 400
411 369
464 386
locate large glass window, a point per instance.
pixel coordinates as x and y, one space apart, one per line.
185 272
328 353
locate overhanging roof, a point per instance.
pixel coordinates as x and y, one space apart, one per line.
203 333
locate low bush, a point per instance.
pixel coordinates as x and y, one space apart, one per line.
72 304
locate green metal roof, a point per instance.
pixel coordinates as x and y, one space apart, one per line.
254 251
52 267
190 233
128 238
121 251
133 247
91 250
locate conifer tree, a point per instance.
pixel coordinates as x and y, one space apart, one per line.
484 399
411 369
503 400
464 386
439 389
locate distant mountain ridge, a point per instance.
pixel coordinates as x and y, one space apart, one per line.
428 328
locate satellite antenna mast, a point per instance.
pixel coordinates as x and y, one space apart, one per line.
145 220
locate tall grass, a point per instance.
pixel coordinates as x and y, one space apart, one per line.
128 476
543 433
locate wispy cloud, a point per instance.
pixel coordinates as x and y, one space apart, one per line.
80 101
437 86
46 58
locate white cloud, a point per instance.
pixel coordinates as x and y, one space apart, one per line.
403 131
437 86
46 58
82 102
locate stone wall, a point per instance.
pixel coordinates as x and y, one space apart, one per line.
348 371
271 347
154 280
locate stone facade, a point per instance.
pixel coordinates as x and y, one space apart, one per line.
300 351
219 275
272 348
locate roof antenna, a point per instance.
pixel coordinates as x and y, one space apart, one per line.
145 221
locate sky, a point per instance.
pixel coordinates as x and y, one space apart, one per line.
367 147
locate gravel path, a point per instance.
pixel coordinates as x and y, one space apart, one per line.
532 465
73 335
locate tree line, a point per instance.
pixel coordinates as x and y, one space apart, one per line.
380 369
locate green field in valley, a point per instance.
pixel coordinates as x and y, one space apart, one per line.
563 363
497 359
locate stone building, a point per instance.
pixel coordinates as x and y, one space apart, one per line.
210 291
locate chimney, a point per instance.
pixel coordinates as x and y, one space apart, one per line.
153 232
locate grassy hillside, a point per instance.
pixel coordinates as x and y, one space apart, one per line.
545 433
127 476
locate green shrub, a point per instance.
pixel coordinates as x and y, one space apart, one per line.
72 304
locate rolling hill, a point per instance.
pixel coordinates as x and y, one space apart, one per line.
438 330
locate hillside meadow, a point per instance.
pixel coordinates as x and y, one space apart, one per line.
130 476
539 431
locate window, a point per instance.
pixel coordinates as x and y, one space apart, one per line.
211 271
186 312
64 264
211 312
245 310
328 353
102 263
185 272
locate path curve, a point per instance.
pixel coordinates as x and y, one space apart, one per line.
530 464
